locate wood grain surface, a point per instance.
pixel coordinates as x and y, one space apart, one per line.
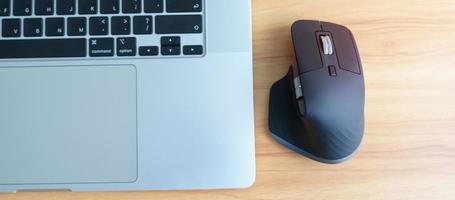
408 152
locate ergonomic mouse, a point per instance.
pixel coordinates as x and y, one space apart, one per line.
317 109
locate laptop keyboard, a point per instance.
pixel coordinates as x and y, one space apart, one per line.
101 28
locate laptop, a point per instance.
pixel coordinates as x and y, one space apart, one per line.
124 95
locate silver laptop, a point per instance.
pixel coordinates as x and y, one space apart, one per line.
107 95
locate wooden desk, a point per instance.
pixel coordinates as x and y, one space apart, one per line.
408 53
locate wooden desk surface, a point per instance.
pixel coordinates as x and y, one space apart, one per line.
408 53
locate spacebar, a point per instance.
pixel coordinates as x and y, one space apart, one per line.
43 48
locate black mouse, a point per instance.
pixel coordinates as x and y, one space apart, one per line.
317 109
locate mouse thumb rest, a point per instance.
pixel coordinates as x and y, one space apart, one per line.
285 120
289 126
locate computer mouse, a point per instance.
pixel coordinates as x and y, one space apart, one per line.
317 109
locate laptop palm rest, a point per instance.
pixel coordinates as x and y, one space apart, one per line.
68 124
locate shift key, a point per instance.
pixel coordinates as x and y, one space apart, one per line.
43 48
174 24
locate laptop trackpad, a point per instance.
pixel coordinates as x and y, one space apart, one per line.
68 124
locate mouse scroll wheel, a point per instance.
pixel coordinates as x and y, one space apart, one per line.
327 45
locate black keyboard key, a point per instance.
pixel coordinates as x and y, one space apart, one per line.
183 5
44 7
120 25
33 27
22 7
172 24
131 6
170 50
11 28
143 25
5 7
66 7
193 50
55 26
77 26
109 6
98 25
148 51
43 48
101 47
87 7
126 46
153 6
170 41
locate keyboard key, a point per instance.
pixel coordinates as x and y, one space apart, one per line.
5 7
153 6
183 5
43 48
101 47
173 24
33 27
55 26
109 6
170 50
44 7
121 25
11 28
66 7
87 7
98 25
77 26
143 25
131 6
170 41
22 7
193 50
148 51
126 46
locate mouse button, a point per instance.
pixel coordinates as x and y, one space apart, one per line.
302 108
345 47
297 88
299 95
332 70
306 45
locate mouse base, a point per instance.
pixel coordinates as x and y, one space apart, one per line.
309 155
